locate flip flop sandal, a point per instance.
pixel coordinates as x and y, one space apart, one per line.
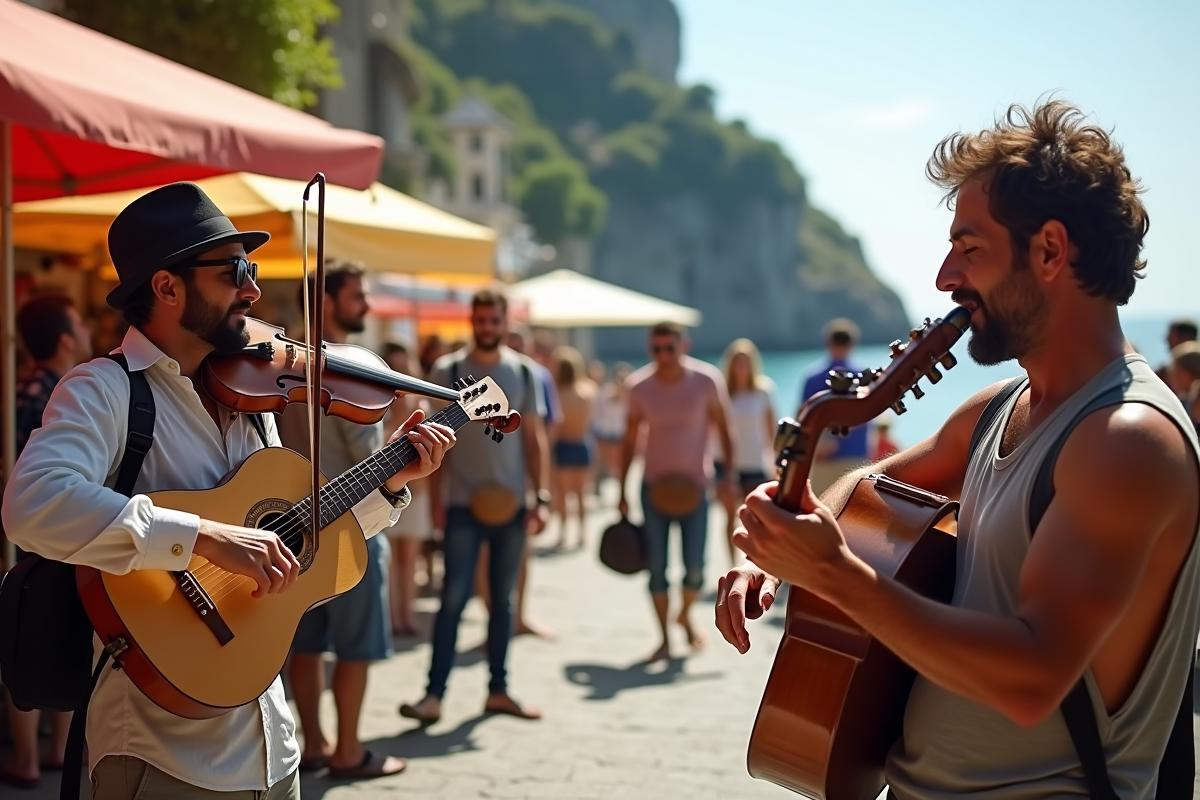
17 781
373 766
314 764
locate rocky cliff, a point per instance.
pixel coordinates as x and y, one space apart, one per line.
773 271
655 25
749 273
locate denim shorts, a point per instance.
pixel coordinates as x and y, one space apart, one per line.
355 626
572 454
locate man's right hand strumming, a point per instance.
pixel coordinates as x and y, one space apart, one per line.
745 592
259 555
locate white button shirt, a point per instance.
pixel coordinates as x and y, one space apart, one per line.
57 504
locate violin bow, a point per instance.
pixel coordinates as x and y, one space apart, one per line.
314 339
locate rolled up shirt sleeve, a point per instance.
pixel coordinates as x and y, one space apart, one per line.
57 504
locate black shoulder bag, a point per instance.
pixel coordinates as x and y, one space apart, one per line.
45 635
1177 769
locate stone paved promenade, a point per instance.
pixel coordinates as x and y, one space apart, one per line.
613 728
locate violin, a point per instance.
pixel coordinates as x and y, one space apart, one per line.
270 372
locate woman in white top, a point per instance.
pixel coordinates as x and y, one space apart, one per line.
608 419
751 396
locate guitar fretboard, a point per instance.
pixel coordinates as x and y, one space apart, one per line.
342 493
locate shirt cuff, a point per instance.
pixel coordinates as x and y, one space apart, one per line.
171 539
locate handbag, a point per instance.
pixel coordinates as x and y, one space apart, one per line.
623 547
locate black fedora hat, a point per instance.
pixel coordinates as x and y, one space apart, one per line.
165 227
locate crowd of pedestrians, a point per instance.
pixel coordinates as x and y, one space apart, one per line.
678 433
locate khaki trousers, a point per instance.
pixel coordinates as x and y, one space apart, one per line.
129 778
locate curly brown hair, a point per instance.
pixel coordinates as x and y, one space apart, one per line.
1047 164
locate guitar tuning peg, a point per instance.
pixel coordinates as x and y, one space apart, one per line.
918 393
483 388
948 361
497 437
487 429
899 407
470 380
896 347
933 375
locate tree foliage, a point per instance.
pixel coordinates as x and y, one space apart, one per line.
272 47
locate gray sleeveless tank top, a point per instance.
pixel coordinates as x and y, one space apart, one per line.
952 747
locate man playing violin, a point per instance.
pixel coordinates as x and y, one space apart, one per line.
1045 244
185 288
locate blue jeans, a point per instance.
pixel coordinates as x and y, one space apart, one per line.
506 547
693 530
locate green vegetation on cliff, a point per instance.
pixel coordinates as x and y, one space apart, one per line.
589 121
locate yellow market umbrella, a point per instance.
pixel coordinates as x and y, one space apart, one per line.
386 230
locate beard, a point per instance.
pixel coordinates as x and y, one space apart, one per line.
351 324
214 324
487 341
1012 318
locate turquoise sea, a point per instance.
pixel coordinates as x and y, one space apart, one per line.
924 416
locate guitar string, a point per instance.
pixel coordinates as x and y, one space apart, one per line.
233 581
295 527
403 449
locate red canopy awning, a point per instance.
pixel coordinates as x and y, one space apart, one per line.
92 114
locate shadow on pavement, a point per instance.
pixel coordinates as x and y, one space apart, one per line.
413 744
607 681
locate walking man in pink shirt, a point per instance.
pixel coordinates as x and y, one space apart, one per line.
678 399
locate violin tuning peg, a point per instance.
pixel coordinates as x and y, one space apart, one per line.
488 429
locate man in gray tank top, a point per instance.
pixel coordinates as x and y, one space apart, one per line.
1045 244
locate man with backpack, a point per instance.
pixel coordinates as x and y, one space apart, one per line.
1063 665
186 285
57 339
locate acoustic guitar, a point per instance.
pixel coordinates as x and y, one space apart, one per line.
195 641
834 702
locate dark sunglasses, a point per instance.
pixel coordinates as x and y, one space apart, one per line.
666 349
245 267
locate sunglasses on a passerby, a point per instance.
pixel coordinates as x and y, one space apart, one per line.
244 267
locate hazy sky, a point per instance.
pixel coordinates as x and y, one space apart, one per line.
859 92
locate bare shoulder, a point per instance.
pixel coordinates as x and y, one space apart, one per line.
1130 454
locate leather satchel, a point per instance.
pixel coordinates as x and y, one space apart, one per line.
493 505
676 496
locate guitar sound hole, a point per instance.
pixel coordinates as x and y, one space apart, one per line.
280 523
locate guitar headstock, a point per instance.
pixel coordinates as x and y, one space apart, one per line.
856 398
483 400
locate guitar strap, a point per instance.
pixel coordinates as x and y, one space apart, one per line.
138 442
1176 770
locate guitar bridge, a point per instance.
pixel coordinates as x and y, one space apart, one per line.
203 605
885 484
